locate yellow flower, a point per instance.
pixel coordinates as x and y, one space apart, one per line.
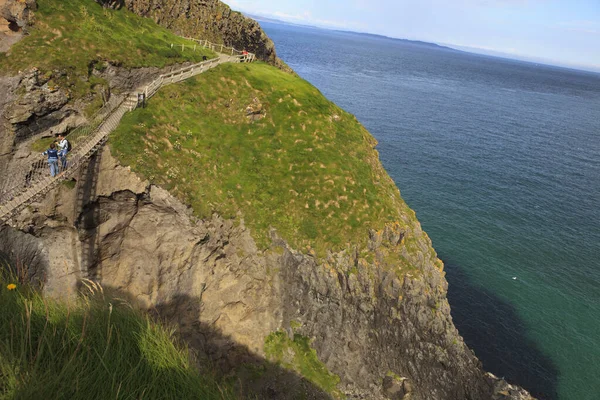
11 286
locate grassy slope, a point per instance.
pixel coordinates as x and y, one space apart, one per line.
307 169
297 355
74 36
94 348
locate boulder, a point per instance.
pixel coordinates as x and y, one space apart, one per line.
254 110
393 388
15 17
15 14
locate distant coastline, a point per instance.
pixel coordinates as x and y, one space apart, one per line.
446 46
417 42
374 35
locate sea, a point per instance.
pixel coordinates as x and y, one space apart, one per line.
500 159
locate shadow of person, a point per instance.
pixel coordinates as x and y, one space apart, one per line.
492 328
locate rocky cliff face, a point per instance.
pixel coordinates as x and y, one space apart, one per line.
15 18
385 336
212 20
32 108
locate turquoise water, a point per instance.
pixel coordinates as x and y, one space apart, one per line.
501 161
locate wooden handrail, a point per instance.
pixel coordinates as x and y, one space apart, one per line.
34 181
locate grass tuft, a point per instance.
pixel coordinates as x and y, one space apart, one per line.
93 348
297 355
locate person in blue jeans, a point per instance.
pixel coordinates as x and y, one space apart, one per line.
63 148
52 154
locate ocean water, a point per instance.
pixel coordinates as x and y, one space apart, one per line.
500 160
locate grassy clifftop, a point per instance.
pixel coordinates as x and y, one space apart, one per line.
249 140
76 36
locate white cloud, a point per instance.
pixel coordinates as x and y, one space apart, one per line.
485 3
501 3
307 18
295 14
581 26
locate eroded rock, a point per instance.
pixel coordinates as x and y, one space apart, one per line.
38 108
254 111
15 18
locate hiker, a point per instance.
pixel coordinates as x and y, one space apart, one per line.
63 148
52 154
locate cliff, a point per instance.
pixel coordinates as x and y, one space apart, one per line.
253 214
212 20
209 277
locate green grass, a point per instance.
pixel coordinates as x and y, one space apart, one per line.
308 169
71 38
297 355
42 144
93 348
69 184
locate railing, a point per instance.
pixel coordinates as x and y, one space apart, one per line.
34 180
220 48
26 176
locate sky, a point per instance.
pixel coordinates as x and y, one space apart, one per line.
562 32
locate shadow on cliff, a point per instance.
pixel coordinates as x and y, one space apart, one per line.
20 254
253 376
88 221
492 328
67 361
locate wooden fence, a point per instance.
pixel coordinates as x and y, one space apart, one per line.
34 181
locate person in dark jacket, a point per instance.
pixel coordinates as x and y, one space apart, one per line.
52 154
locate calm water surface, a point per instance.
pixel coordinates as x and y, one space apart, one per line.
501 161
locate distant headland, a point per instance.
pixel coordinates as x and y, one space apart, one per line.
374 35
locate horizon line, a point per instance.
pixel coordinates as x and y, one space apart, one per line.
472 49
